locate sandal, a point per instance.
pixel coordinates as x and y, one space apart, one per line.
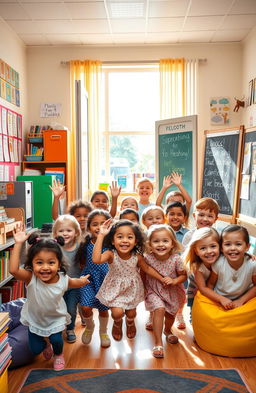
180 321
172 339
158 351
117 331
130 328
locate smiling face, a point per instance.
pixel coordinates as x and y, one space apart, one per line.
161 244
45 266
234 247
153 216
145 189
95 224
204 218
208 250
100 201
129 203
130 216
176 218
124 241
67 231
81 214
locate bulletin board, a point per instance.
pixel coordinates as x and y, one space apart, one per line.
221 169
10 142
247 200
176 151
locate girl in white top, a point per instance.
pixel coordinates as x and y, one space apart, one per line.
202 252
234 274
45 311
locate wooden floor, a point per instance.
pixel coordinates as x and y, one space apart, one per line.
136 354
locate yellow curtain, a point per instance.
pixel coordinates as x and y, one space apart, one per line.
90 74
172 102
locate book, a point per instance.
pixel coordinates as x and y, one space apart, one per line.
6 293
60 176
3 317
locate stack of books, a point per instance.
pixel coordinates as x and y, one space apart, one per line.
3 216
5 351
59 173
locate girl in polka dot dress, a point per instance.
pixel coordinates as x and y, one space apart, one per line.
164 301
122 289
88 300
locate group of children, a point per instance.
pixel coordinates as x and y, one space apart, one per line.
146 254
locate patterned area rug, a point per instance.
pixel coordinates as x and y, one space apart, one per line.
134 381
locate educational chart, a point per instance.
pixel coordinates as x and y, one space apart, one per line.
221 168
176 147
10 142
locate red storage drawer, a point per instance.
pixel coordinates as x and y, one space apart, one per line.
55 145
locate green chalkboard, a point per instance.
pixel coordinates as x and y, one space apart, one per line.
176 141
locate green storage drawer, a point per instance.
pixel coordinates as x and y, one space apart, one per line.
42 198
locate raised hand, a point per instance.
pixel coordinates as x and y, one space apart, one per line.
176 178
19 234
114 189
167 181
57 188
106 226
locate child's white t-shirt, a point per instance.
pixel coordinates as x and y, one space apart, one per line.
233 283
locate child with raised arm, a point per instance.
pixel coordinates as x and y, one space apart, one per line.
122 289
174 196
164 302
100 199
45 311
79 209
233 276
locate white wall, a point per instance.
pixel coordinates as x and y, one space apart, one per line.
249 73
13 52
48 81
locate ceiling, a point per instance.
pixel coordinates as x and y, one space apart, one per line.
128 22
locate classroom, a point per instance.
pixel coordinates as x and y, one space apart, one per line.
119 128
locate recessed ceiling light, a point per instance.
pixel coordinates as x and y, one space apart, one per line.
126 9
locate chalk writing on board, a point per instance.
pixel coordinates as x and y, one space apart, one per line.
219 174
175 155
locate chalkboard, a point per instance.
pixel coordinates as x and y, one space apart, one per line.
248 206
221 168
176 147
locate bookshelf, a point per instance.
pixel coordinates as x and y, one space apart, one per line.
55 155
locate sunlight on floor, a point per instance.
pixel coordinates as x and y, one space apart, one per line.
144 354
196 359
127 347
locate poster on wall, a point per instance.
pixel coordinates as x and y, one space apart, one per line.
9 87
219 110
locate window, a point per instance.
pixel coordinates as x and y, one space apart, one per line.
131 107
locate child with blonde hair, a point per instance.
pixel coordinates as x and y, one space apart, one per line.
201 253
129 203
145 189
163 255
68 227
152 215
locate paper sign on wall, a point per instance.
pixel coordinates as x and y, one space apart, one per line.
50 110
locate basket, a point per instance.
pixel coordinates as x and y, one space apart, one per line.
35 137
33 158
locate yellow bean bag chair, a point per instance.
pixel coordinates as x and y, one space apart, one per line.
227 333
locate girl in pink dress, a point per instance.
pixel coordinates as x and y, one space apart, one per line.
122 289
166 300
